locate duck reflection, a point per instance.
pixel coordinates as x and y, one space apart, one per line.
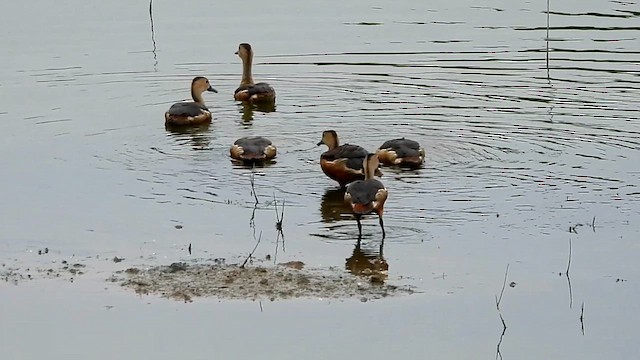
197 136
368 262
247 109
333 207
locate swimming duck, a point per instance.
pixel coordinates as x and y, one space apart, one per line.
248 90
253 149
368 195
191 112
342 163
402 152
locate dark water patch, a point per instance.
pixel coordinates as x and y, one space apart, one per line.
449 41
34 117
629 14
578 27
487 8
364 23
52 121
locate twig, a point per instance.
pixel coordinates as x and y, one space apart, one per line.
252 220
504 330
569 262
582 318
568 278
547 40
279 219
504 324
504 283
253 188
252 251
153 38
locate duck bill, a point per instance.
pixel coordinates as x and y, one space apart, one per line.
212 89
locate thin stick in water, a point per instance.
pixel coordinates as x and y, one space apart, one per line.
504 284
253 187
582 318
252 251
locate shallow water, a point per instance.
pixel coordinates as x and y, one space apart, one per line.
528 166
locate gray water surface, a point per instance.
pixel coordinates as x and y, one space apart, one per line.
532 148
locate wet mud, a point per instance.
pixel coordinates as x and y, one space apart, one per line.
186 281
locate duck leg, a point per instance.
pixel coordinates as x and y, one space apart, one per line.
382 226
358 216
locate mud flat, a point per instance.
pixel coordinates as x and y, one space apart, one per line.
184 281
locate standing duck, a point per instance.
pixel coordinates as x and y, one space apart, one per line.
402 152
368 195
191 112
248 90
253 149
342 163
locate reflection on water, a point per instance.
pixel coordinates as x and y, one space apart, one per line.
153 37
333 207
197 137
368 262
246 164
247 109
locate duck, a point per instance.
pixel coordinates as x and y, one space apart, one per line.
191 112
368 195
248 89
253 149
342 163
401 152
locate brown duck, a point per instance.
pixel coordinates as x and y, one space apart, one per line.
342 163
253 149
368 195
248 89
402 152
191 112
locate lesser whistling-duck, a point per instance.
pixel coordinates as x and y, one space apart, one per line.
368 195
253 149
191 112
248 89
402 152
342 163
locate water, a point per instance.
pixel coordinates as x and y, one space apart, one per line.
525 162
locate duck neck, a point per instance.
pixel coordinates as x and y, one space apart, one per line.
369 170
333 142
197 97
247 77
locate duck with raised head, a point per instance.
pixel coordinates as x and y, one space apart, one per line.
253 149
401 152
342 163
191 112
368 195
248 89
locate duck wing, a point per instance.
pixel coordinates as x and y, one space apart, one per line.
256 89
187 109
402 147
253 144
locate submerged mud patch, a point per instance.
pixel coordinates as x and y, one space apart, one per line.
63 270
182 281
